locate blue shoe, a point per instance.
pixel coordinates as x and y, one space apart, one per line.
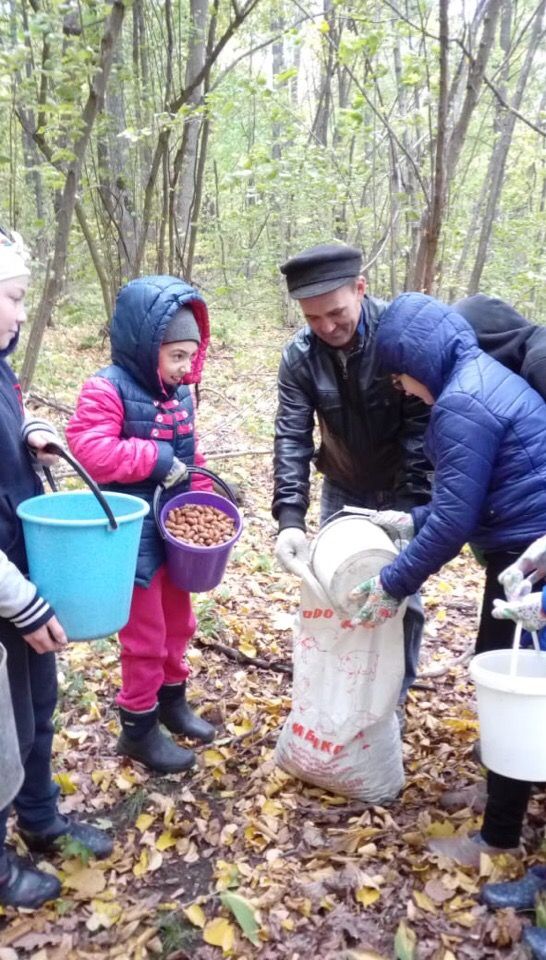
518 894
535 939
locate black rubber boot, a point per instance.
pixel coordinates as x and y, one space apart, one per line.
141 739
23 886
63 828
177 715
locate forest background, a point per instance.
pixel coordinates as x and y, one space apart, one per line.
213 139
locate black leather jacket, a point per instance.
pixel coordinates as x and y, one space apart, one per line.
371 436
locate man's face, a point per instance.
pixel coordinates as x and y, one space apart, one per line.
334 316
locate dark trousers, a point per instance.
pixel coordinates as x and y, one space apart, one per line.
333 499
507 799
33 685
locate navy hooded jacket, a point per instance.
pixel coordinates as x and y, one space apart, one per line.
18 477
486 440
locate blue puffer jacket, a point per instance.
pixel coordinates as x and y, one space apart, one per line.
486 440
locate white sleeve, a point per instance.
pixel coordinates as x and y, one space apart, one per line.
19 599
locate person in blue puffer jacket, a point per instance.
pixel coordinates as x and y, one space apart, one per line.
486 440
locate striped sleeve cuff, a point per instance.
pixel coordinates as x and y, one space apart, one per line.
33 616
35 423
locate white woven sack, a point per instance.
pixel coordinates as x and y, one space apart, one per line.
342 732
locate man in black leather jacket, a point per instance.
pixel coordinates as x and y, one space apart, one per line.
371 435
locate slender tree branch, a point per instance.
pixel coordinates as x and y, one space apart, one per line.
488 83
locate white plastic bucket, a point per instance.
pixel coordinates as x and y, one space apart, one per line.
512 712
347 551
10 761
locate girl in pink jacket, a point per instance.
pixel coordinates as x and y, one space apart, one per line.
134 428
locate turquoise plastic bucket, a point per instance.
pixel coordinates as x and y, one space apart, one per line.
80 565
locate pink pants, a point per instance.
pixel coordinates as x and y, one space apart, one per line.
161 625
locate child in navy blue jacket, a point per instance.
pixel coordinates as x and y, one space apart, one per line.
29 629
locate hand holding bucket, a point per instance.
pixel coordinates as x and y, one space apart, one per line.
192 567
511 694
57 450
82 549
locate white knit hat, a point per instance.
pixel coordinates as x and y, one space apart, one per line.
13 256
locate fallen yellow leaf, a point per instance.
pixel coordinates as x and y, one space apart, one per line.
424 902
466 918
195 915
65 783
105 914
144 821
457 723
220 933
165 841
125 781
440 828
87 881
273 807
367 895
141 865
247 648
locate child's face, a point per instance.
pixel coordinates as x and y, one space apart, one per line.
412 387
12 308
175 360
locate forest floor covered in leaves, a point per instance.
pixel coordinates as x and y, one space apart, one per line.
313 874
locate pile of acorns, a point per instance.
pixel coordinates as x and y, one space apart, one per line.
202 526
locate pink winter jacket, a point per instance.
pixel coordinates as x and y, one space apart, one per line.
94 434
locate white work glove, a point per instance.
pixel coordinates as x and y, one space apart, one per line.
378 605
527 611
176 474
292 552
396 524
519 577
292 549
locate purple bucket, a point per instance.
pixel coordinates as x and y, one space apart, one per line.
192 567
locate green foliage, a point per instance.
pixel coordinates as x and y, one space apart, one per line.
176 934
325 131
134 804
210 624
244 913
73 849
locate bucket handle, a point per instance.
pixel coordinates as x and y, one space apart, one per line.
224 486
516 647
60 451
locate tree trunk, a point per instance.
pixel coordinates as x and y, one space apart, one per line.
57 265
433 217
448 151
322 116
497 162
114 165
187 159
